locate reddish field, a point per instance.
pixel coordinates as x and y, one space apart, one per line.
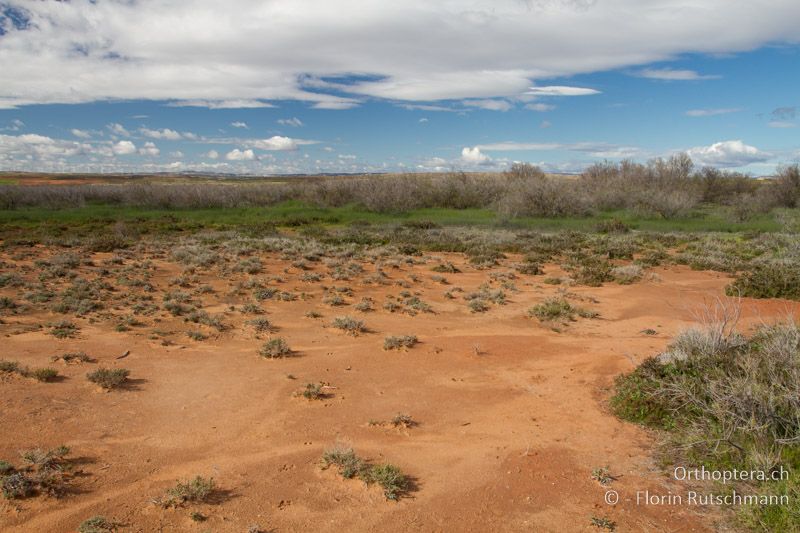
511 416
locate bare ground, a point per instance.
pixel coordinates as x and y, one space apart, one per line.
511 416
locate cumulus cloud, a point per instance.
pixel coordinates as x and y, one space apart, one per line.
165 134
294 122
474 156
40 147
669 74
277 143
212 154
247 54
727 154
118 129
239 124
489 104
81 134
712 112
149 149
561 90
240 155
124 148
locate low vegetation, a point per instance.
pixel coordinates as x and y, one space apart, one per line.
109 378
43 472
389 477
399 342
727 401
196 490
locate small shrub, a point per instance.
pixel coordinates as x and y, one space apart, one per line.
109 378
43 374
17 486
478 305
313 391
313 314
345 459
349 325
196 335
768 280
403 420
612 226
366 304
390 478
275 349
63 329
9 366
97 524
196 490
553 309
395 342
627 274
446 268
260 324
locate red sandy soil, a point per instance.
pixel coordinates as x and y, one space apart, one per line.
512 416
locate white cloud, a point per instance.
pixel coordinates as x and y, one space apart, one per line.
239 155
781 124
545 124
166 134
294 122
149 149
118 129
489 104
512 146
539 107
124 148
244 53
423 120
212 154
727 154
277 143
474 156
673 74
40 147
177 154
222 104
239 124
561 90
81 134
712 112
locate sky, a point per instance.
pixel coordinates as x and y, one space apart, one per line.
339 86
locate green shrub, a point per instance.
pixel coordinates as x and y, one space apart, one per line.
109 378
349 325
97 524
397 342
391 479
196 490
768 280
726 402
275 349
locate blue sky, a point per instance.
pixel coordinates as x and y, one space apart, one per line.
271 87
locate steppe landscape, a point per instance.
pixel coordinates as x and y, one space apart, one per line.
209 368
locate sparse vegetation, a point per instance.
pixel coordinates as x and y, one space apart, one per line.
349 325
97 524
390 478
726 401
196 490
275 349
398 342
109 378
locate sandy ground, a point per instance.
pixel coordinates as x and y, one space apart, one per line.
511 416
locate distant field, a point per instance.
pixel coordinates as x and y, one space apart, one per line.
296 214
